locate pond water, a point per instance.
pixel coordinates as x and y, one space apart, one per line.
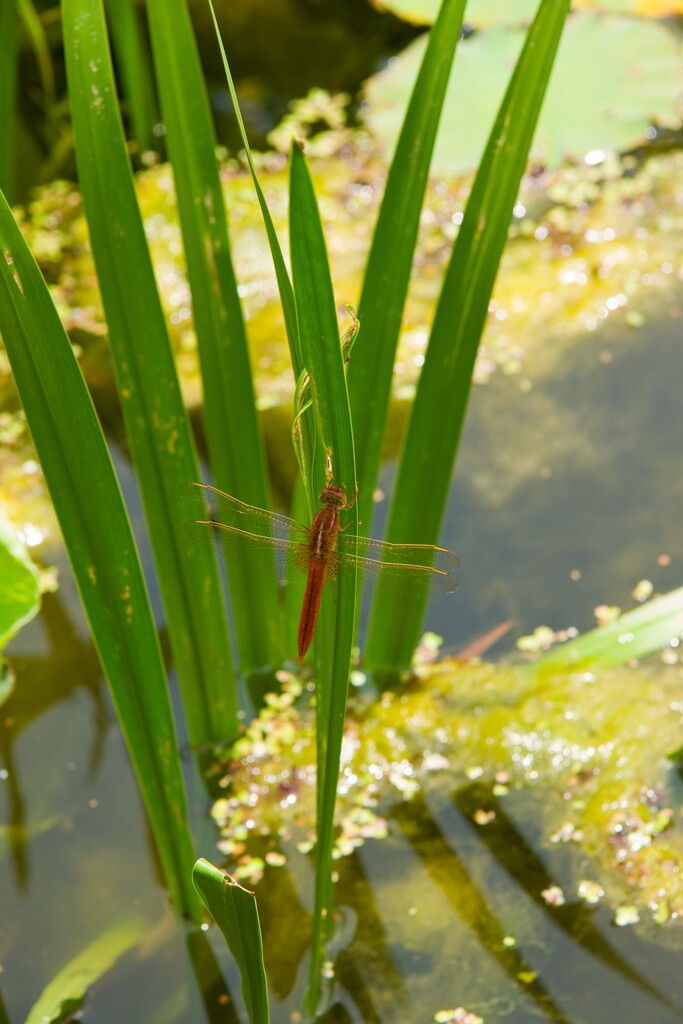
573 472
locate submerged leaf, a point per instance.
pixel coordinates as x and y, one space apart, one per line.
67 990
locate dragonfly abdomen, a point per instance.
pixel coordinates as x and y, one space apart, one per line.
322 542
311 605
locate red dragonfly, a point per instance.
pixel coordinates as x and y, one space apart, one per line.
279 546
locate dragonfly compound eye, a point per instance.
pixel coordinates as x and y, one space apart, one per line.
333 497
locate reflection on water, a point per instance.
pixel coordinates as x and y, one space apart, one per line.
447 890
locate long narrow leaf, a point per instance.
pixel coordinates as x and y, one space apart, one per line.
233 433
87 499
8 93
391 256
283 282
133 59
334 464
439 411
155 417
234 911
634 635
294 591
35 31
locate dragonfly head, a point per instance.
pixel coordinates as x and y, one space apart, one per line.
334 498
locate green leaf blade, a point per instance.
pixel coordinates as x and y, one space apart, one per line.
334 463
234 911
443 391
100 544
391 256
156 421
9 52
233 430
283 281
132 56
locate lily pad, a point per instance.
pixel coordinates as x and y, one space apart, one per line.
478 14
485 13
20 589
613 79
642 8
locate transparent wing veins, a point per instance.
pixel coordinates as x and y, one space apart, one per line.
278 546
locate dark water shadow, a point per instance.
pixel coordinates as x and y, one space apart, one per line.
4 1019
442 863
218 1003
36 694
585 972
508 846
370 933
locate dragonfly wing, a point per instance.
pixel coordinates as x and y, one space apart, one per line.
284 559
209 504
271 544
393 570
